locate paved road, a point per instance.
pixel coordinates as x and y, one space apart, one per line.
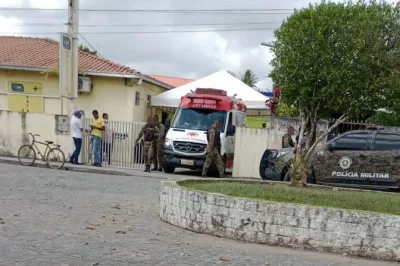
54 217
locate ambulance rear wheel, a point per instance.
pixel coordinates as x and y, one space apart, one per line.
169 169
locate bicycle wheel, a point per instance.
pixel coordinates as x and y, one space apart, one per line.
26 155
55 158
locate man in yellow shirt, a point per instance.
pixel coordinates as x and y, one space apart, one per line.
97 127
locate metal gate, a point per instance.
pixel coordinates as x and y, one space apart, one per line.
118 147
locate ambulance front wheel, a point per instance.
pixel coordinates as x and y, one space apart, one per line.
169 169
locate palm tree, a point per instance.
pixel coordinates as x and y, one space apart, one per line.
249 78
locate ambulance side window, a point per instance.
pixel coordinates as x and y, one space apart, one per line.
237 119
240 120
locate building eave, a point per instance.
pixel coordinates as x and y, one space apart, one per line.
12 67
89 73
113 75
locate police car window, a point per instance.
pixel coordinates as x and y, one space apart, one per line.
387 142
355 142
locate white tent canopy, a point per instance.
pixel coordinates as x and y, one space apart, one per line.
220 80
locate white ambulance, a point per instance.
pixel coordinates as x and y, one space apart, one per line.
186 140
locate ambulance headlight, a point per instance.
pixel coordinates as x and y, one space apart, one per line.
168 144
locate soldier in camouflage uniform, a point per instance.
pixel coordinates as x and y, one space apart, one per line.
148 133
213 150
158 151
154 154
287 141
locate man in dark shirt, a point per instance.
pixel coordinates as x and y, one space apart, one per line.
287 141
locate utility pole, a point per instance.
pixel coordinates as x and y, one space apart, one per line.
73 31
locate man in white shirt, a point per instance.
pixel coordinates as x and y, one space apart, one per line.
77 134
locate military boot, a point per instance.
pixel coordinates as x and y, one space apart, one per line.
147 169
160 169
155 168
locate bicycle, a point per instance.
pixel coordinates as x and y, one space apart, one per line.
47 156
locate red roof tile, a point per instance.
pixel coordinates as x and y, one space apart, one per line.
174 82
44 53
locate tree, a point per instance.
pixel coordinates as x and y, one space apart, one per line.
86 49
286 110
383 118
249 78
336 58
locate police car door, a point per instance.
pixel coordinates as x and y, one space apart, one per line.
344 158
384 161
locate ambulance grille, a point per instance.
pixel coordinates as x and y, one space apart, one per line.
189 147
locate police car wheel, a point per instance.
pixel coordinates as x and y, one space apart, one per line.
311 178
284 172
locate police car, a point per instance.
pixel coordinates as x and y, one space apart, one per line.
356 159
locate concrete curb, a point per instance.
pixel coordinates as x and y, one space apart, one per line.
86 170
350 232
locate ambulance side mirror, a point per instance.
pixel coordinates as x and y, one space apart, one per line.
231 131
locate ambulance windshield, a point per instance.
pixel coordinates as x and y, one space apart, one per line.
198 119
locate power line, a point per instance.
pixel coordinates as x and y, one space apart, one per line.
148 10
210 11
147 32
141 25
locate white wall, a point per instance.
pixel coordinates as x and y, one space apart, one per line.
250 144
15 127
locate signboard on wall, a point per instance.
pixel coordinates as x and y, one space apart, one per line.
66 81
25 87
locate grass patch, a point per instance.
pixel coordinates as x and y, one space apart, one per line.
344 199
255 121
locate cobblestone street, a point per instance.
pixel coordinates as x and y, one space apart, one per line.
51 217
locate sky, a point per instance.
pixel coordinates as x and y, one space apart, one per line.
183 54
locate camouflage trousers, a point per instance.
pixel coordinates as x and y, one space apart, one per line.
158 152
213 156
147 152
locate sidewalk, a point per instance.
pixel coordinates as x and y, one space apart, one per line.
103 170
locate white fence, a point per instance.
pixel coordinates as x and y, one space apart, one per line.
118 147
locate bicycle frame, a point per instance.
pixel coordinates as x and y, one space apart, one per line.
33 145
